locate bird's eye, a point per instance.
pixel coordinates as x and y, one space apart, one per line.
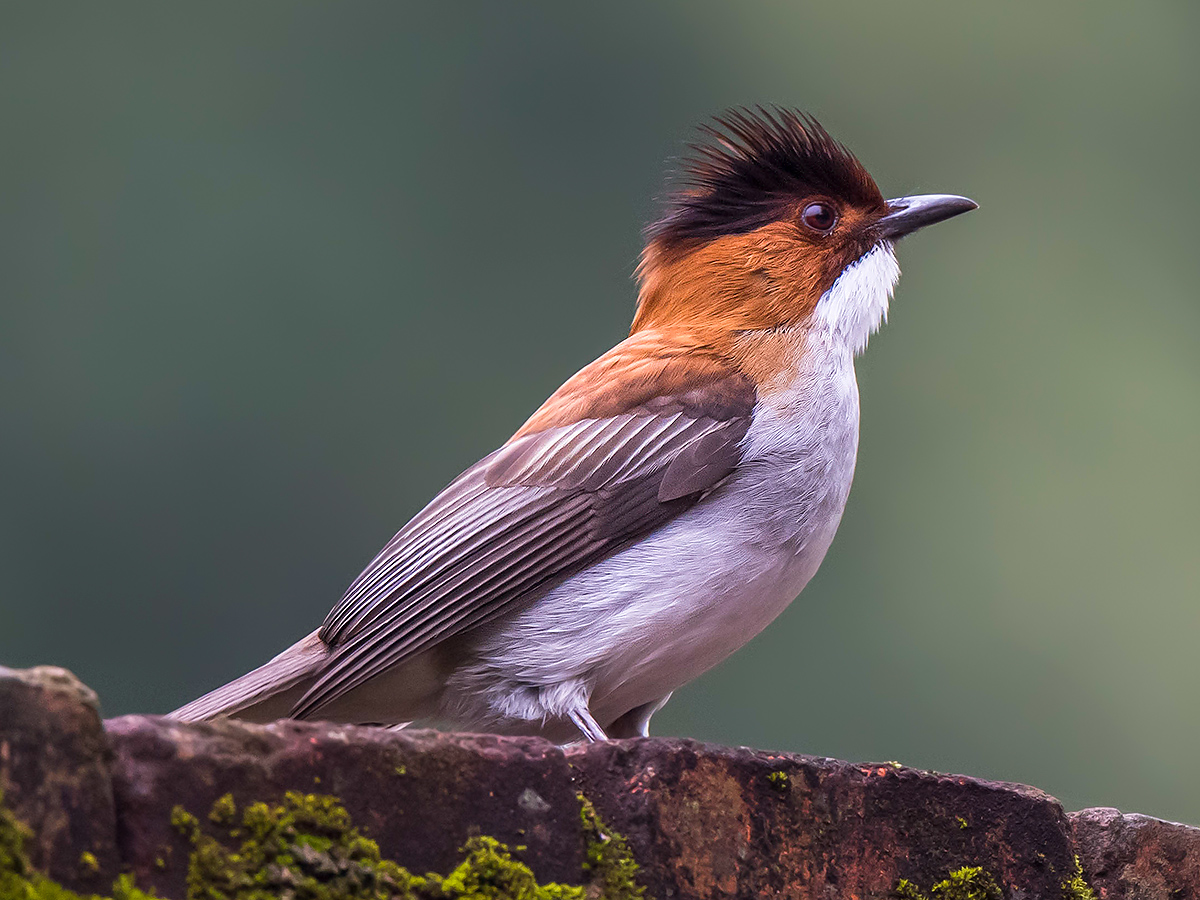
819 217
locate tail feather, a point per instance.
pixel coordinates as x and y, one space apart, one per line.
265 694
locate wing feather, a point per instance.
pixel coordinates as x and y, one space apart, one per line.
544 506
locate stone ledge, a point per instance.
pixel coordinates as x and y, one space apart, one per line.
55 774
1136 857
702 821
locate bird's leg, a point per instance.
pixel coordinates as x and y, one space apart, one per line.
588 726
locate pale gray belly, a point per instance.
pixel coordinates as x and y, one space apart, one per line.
642 623
638 625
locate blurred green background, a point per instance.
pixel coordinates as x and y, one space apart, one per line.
273 273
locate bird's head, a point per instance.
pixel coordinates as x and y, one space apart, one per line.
776 224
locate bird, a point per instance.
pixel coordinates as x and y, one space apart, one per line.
666 503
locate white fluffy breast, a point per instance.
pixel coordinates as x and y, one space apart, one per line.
637 625
857 304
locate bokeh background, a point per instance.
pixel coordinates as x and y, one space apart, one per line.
273 273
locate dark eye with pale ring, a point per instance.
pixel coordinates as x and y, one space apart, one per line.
819 217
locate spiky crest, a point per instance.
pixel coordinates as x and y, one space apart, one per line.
751 166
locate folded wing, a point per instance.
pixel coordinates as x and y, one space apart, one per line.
549 503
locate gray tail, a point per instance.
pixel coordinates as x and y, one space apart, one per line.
266 694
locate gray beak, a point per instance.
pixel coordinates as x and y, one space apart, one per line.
907 214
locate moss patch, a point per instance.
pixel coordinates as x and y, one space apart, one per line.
973 883
18 880
967 883
306 848
1075 887
609 860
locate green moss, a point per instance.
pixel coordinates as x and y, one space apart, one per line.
973 883
1075 887
183 821
124 889
489 872
906 890
967 883
18 880
307 848
224 811
609 862
304 847
780 781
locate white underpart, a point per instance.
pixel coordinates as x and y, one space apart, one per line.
857 304
636 626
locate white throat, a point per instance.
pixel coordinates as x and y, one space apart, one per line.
857 303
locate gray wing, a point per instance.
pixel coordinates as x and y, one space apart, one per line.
536 511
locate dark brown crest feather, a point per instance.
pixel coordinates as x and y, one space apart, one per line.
753 165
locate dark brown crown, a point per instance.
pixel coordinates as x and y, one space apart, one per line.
753 166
